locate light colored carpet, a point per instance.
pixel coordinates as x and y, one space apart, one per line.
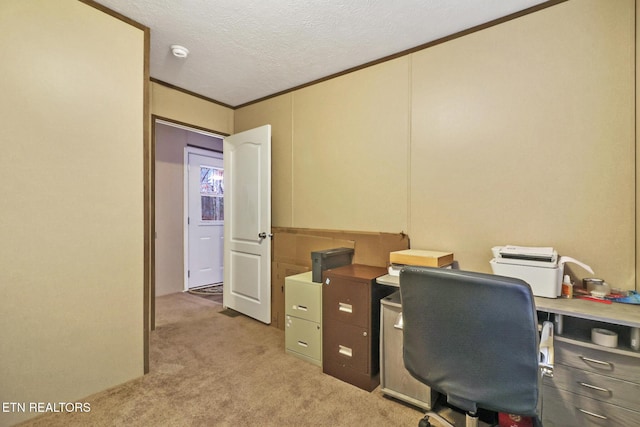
208 369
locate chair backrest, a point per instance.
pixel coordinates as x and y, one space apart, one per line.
473 337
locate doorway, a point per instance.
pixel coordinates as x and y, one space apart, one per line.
170 141
204 213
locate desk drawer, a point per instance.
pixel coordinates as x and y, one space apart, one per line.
604 362
304 337
347 301
346 346
303 300
565 409
596 386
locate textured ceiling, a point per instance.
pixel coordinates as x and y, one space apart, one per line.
243 50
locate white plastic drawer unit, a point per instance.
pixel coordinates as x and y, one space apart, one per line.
303 298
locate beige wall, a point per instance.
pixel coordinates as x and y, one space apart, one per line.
188 109
522 133
350 145
341 153
71 182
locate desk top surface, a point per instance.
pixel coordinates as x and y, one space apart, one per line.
618 313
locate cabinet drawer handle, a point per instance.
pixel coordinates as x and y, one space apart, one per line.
597 362
300 307
347 308
399 322
593 387
303 344
346 351
592 414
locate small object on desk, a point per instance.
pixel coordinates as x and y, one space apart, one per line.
597 285
632 297
589 283
579 291
394 269
421 257
604 301
567 287
617 294
540 267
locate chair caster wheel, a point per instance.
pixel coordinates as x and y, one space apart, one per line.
424 423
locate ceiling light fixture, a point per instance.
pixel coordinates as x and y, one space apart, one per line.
179 51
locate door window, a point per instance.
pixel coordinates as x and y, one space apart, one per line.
212 193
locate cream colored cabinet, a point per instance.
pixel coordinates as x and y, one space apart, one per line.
303 317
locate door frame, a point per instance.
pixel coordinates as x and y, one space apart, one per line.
185 201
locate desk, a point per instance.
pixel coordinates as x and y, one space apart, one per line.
615 313
592 384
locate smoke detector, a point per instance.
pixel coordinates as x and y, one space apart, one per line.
179 51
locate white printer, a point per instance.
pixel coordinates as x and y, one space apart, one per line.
540 267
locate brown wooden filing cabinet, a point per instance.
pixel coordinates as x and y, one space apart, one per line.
351 324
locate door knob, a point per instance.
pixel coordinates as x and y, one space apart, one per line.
264 235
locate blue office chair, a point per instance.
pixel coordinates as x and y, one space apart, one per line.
474 338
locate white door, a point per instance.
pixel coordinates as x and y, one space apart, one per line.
205 218
247 236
